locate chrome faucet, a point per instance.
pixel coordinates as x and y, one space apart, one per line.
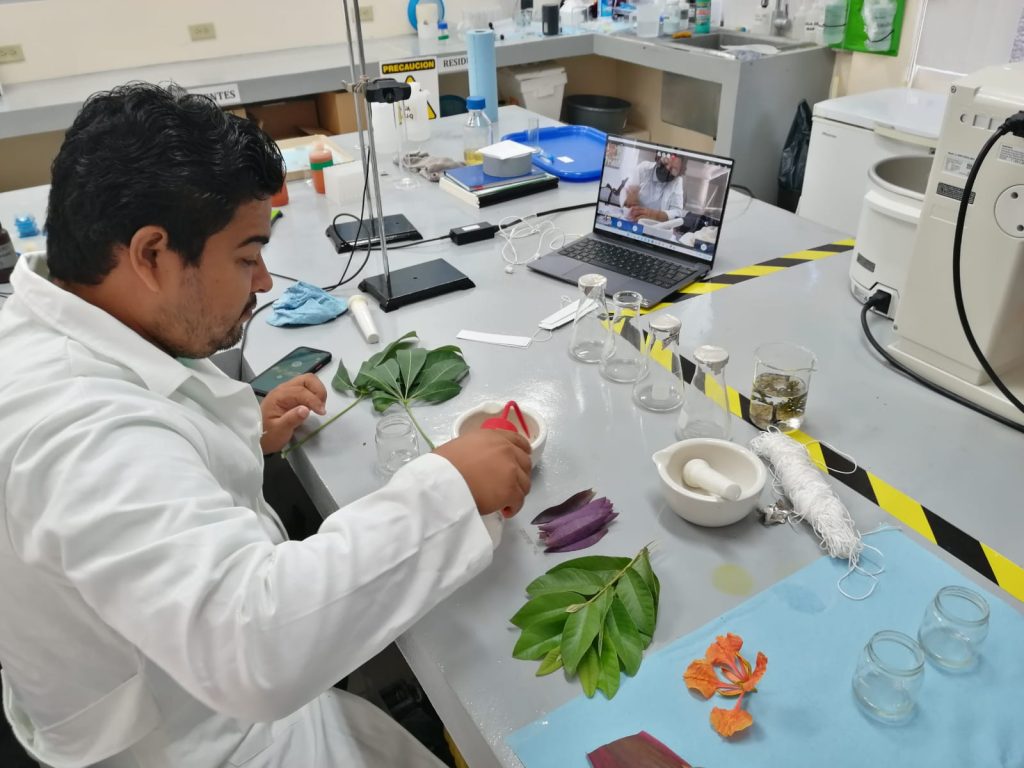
780 18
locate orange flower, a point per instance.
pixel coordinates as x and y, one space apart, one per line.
740 679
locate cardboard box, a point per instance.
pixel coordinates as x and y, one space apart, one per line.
286 119
336 112
296 154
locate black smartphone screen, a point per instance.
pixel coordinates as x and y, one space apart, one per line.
300 360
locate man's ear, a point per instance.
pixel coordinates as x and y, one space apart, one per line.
147 254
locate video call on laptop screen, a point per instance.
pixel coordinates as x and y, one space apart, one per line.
667 198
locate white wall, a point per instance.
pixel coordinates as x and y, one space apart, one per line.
68 37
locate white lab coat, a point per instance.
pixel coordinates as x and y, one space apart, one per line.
664 196
152 611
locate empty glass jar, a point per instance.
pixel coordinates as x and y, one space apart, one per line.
889 675
623 358
660 386
706 407
397 443
589 328
953 627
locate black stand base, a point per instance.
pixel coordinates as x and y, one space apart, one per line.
346 235
415 283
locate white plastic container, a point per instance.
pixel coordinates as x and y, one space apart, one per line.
507 159
888 226
538 88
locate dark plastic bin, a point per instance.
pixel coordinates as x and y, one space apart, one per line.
606 113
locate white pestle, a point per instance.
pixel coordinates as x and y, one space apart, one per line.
361 312
699 474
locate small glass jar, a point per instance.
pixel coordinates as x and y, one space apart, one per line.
706 408
953 627
888 677
782 378
397 443
660 387
623 359
590 326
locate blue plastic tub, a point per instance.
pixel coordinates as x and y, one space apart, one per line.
570 152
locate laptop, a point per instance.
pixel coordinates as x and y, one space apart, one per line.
657 222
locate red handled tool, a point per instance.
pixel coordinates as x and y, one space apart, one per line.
503 422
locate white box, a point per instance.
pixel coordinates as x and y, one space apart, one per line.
537 87
344 183
507 159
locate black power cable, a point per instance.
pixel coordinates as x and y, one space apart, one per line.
1014 125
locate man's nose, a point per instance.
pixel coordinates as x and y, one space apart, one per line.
261 279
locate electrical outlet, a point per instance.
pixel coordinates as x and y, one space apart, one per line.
198 32
11 54
366 13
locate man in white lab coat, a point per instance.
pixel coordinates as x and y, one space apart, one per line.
654 189
152 612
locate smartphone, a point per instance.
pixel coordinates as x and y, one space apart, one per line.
297 362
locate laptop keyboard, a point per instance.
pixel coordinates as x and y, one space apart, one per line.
650 269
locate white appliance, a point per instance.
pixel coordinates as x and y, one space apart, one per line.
888 226
850 134
929 337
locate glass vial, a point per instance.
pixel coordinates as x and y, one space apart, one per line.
706 410
623 358
660 387
477 132
397 443
953 627
888 676
589 331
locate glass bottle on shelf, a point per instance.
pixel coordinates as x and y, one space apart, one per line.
478 131
660 386
589 326
706 408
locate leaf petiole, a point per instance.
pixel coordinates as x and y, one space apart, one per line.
289 448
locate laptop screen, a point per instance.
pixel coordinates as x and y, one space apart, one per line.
670 199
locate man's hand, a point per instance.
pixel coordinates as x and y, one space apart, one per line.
496 466
286 406
639 212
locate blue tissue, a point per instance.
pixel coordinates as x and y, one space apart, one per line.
305 304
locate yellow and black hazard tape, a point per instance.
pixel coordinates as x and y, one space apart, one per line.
957 542
743 274
982 558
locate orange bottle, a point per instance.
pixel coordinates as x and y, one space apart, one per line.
281 196
319 158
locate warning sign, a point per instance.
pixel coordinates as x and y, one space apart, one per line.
421 70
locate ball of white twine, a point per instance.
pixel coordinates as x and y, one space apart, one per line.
812 497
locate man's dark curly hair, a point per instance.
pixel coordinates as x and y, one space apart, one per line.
141 155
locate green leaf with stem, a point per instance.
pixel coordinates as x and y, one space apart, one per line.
581 629
621 630
589 671
547 609
289 448
535 643
608 677
552 662
568 580
639 601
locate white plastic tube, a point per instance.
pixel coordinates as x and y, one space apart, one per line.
361 312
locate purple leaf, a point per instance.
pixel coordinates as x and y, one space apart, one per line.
574 502
581 543
596 508
567 534
640 749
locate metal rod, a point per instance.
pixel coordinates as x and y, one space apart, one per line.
369 134
380 208
353 86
